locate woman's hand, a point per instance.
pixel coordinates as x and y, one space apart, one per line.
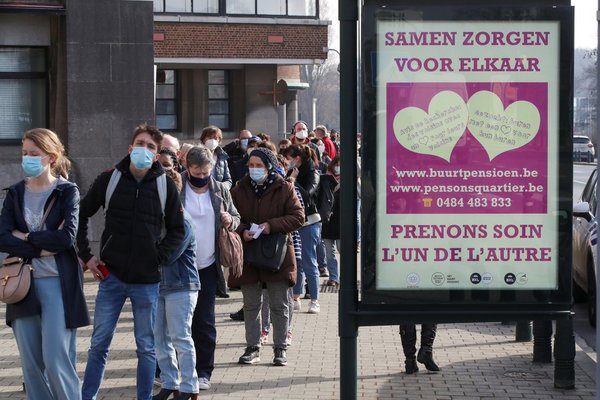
247 236
294 173
18 234
47 253
266 228
226 219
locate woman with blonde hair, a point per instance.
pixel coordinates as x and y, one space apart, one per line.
45 322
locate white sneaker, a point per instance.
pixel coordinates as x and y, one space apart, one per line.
297 305
314 307
203 384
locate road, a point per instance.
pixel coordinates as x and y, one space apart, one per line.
581 173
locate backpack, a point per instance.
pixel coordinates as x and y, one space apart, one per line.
161 184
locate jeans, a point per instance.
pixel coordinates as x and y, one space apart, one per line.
204 331
110 299
278 304
331 250
46 347
173 339
321 255
310 236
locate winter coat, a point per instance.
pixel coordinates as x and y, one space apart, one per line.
221 169
55 238
179 273
330 209
280 207
308 184
220 197
131 244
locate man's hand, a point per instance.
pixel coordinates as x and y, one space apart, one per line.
92 266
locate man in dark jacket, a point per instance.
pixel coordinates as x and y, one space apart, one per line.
132 249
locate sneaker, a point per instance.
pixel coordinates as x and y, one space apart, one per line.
331 282
264 337
237 316
250 356
314 307
288 339
297 305
323 273
203 384
280 358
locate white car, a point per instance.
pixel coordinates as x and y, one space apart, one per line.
583 149
585 238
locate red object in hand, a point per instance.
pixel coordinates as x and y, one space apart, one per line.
103 270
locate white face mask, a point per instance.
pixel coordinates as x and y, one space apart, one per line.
211 143
336 170
301 135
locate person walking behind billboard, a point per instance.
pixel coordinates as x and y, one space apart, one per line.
131 252
408 335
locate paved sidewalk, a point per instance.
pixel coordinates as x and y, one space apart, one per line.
478 361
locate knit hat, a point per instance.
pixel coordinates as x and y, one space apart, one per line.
266 156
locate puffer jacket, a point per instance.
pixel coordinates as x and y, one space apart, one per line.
131 244
280 207
55 238
221 169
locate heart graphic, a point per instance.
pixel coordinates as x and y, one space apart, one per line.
498 129
434 132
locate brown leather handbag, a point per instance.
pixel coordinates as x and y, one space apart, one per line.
15 279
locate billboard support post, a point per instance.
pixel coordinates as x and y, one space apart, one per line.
542 341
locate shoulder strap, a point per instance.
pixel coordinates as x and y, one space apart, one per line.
110 189
161 183
52 201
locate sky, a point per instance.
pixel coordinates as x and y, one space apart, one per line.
586 26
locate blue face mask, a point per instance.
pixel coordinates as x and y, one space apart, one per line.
141 157
32 166
244 144
258 175
198 182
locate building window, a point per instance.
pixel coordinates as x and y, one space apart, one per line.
166 99
218 98
290 8
23 90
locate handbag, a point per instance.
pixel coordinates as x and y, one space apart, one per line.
15 279
231 251
15 273
267 251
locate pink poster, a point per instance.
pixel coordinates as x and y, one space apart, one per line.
467 148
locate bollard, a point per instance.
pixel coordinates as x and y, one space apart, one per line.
542 341
523 331
564 355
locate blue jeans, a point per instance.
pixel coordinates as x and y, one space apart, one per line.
307 267
46 347
173 339
204 331
110 299
321 254
331 249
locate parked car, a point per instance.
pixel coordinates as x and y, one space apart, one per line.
583 148
585 238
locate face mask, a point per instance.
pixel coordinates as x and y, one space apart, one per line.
141 157
321 148
243 144
258 175
336 170
32 166
198 182
291 165
211 144
301 135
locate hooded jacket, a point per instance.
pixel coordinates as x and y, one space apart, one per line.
131 244
54 238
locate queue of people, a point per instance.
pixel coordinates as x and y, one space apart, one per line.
164 206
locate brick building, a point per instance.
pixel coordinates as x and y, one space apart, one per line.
233 63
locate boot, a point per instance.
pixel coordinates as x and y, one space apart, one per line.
408 335
165 393
411 366
425 355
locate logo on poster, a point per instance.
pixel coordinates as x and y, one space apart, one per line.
475 278
510 278
522 278
438 279
486 278
412 279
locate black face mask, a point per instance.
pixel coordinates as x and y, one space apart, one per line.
198 182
